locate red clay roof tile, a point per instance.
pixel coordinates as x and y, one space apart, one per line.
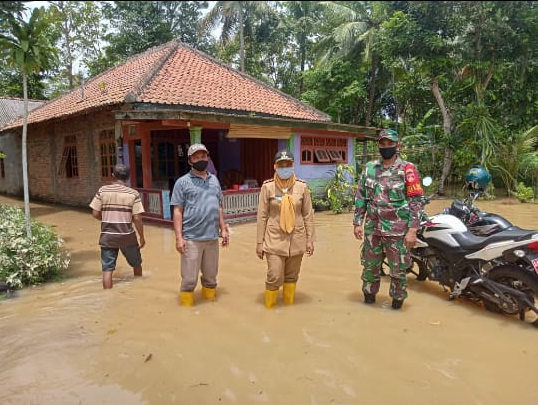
175 74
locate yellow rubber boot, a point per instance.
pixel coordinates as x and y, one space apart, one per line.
288 293
209 293
186 298
270 298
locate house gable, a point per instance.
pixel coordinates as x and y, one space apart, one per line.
173 75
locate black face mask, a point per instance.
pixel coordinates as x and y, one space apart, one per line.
387 153
200 166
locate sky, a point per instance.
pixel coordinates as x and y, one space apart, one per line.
34 4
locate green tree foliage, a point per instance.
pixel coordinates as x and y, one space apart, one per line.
460 50
270 58
456 78
335 89
11 84
26 47
137 26
237 20
10 10
341 189
10 77
353 37
523 193
78 29
516 158
303 21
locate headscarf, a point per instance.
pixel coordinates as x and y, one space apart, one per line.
287 205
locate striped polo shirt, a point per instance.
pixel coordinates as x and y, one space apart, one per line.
117 203
201 200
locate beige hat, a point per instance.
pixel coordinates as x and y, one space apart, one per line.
196 148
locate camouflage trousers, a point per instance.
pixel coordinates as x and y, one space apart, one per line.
374 250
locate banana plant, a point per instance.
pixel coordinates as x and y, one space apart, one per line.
341 189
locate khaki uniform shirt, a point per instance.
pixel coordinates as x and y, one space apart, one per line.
275 240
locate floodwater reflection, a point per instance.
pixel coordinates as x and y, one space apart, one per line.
73 342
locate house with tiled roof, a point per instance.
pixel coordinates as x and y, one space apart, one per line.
11 109
149 109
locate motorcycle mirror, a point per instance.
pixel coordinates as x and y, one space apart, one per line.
427 181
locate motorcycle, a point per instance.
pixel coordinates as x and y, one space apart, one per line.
478 222
499 270
477 180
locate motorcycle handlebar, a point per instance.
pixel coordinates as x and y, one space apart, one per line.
427 200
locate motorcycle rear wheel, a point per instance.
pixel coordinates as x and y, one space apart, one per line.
515 278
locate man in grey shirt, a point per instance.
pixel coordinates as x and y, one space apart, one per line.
198 216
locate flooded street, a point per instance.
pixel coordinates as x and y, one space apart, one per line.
74 343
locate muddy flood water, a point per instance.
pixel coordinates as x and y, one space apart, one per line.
74 343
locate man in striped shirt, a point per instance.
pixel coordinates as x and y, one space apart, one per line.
118 207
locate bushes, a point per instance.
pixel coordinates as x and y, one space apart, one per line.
341 189
26 261
338 192
523 193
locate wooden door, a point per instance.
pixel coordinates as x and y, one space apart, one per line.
257 158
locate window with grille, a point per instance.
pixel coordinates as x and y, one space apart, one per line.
318 150
107 148
69 163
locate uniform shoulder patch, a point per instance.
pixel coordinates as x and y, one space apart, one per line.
412 181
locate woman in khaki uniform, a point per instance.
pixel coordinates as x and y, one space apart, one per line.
285 228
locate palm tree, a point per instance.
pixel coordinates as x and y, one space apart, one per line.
8 11
304 19
355 35
232 14
516 157
25 46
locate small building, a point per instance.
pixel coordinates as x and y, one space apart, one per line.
149 109
10 145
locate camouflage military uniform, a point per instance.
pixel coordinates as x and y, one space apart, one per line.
389 200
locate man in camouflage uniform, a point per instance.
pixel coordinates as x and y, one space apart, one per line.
388 202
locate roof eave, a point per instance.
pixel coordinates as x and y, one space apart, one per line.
190 115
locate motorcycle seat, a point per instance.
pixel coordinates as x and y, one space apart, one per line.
468 240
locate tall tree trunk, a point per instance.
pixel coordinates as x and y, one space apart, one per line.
371 91
447 130
301 79
371 96
25 158
68 50
241 41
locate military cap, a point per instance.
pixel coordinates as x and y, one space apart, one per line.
390 134
283 155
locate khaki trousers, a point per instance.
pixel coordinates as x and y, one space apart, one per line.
282 269
200 256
